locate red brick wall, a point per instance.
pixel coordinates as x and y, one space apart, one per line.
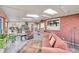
69 27
57 32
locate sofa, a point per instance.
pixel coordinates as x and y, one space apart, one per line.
59 45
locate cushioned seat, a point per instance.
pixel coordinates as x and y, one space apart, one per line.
60 46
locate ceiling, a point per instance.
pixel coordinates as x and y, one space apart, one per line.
20 11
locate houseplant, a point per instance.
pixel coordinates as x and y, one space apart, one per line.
2 41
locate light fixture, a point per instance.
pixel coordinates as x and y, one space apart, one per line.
50 11
26 18
32 15
45 16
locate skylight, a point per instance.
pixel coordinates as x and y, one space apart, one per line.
50 11
32 15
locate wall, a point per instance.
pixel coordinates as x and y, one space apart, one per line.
70 27
14 23
43 24
3 18
4 30
2 14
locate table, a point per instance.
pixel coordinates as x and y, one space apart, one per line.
21 35
32 46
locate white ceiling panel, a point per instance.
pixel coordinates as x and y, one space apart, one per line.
20 11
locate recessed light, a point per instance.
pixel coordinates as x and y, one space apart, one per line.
32 15
50 11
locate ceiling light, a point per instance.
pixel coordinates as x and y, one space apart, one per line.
50 11
45 16
32 15
26 18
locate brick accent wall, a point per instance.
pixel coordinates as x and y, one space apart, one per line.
70 27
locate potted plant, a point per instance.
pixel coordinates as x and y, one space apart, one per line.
11 40
2 41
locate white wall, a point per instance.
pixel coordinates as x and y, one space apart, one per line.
14 22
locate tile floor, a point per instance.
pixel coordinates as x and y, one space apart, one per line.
13 48
73 48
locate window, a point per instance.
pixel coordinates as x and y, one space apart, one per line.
53 24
